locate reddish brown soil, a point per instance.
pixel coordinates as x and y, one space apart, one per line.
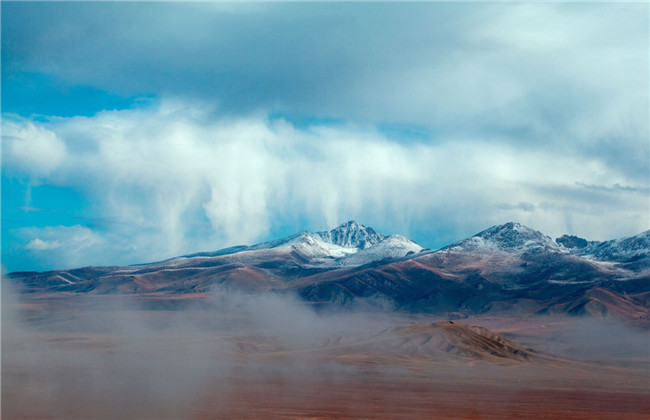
402 397
99 360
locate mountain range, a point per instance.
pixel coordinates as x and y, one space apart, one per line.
508 267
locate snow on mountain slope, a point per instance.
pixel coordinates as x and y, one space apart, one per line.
312 245
338 246
510 237
522 260
352 235
504 267
394 247
351 244
616 250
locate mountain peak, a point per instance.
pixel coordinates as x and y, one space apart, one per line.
350 224
630 249
352 235
515 235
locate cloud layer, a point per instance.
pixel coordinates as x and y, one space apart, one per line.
536 75
171 178
432 120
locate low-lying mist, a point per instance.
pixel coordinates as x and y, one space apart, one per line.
122 357
119 357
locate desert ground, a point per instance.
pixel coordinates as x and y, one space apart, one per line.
114 357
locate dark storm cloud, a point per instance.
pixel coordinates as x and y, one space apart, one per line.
285 53
570 77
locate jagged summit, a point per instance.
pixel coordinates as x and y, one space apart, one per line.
351 244
510 236
348 244
352 235
515 235
505 266
628 249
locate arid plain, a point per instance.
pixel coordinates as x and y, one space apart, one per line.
243 356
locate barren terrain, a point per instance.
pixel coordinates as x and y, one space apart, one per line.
267 357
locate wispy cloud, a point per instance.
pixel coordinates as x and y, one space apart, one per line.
615 188
441 118
33 149
173 180
40 245
70 246
522 205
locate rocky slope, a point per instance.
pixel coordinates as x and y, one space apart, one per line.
632 252
508 267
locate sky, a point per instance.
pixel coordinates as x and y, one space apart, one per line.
135 132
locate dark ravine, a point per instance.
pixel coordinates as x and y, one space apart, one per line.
504 268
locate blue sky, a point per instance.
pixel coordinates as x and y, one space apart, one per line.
134 132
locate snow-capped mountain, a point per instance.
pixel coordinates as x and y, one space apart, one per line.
625 250
505 267
348 244
391 247
351 244
509 237
313 246
352 235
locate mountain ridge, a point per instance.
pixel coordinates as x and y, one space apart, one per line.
349 235
505 267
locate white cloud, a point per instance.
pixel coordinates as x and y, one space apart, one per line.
69 246
29 148
570 75
534 112
171 183
38 244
